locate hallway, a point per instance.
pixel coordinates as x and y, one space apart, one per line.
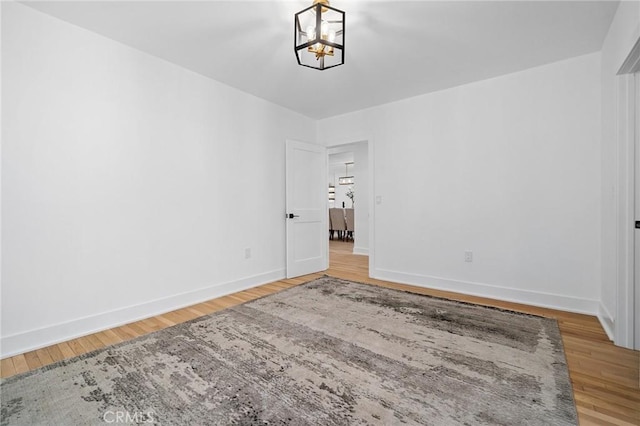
344 264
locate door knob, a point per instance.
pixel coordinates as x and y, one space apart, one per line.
291 215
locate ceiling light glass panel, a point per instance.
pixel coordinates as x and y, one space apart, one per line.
319 36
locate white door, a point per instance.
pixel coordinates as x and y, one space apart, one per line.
306 215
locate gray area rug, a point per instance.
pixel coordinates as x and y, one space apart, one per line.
330 352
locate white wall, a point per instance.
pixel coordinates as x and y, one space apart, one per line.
622 35
507 168
129 185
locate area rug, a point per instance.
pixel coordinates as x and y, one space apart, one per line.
329 352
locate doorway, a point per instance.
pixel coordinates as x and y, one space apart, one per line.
349 177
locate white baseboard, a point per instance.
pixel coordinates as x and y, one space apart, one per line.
364 251
508 294
38 338
607 321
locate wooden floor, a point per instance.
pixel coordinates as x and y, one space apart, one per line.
605 378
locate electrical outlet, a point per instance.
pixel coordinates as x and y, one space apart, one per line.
468 256
247 253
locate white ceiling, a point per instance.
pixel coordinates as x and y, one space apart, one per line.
393 49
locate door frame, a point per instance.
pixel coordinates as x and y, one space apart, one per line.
627 124
370 202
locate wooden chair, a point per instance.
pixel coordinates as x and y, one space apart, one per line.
330 227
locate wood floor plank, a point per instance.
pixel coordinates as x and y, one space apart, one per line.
107 339
213 307
44 357
20 364
137 329
152 324
97 343
32 360
588 380
77 347
55 353
131 330
164 320
592 417
86 343
196 313
6 368
175 317
236 298
606 405
123 334
223 302
113 336
66 350
203 308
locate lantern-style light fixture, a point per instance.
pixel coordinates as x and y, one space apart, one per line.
319 36
346 179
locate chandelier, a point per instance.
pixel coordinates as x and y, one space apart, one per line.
346 179
319 36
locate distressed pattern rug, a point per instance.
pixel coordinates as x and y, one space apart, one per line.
329 352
